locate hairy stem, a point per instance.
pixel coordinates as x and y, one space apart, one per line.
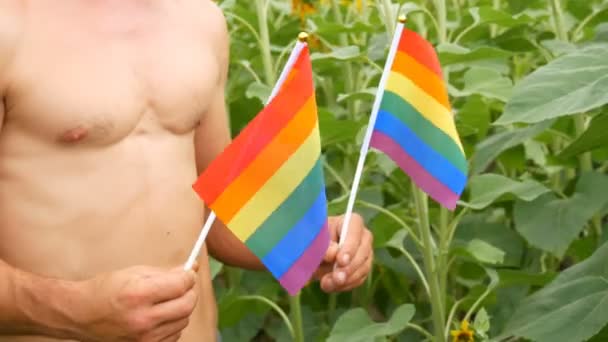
296 318
442 19
261 9
429 263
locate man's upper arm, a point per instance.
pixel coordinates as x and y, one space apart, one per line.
213 133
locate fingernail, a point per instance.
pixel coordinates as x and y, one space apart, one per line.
346 258
341 277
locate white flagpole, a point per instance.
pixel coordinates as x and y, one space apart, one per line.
368 134
295 53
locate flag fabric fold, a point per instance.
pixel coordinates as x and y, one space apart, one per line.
268 186
414 125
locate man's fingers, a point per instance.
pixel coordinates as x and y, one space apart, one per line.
171 285
173 338
332 251
358 278
176 309
171 330
352 241
362 254
327 283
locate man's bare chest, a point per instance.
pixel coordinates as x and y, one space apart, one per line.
111 79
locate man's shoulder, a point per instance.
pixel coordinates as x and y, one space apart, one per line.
214 20
216 29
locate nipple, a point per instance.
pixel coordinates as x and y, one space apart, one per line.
74 135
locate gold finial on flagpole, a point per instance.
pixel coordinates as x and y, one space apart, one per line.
402 18
303 37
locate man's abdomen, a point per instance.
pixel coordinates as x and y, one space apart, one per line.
74 213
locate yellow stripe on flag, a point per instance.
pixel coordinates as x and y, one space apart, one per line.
425 104
277 189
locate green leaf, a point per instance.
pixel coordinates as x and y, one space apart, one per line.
574 83
487 82
355 325
366 95
484 227
594 137
551 223
481 324
215 267
341 53
487 14
474 113
397 240
450 54
485 253
488 150
334 131
572 308
602 336
259 91
490 188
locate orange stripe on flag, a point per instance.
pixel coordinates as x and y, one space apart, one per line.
422 76
240 191
421 50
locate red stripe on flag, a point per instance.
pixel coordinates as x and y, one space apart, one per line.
421 50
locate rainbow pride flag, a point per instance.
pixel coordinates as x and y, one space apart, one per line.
414 124
268 185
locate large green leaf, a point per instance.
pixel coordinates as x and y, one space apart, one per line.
572 308
355 325
487 82
450 54
487 14
334 131
492 147
552 223
489 188
595 136
573 83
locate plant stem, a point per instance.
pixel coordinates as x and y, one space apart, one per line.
429 262
348 68
494 27
585 161
296 318
444 245
442 20
275 307
388 17
558 20
394 217
420 330
261 9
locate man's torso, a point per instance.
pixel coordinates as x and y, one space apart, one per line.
96 147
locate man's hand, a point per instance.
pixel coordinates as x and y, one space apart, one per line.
139 304
354 259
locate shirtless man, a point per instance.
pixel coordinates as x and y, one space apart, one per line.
109 110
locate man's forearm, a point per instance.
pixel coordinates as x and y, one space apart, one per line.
32 305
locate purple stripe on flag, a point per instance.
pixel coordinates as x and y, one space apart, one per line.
301 271
429 184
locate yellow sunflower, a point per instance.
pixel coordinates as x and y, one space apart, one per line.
464 334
